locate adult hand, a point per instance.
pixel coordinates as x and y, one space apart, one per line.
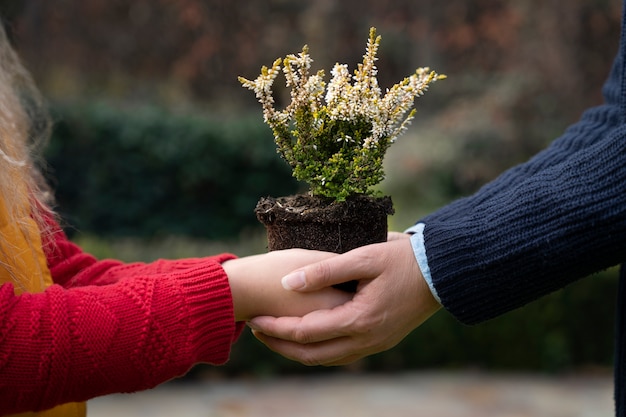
391 300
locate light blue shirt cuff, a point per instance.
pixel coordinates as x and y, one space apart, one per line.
419 250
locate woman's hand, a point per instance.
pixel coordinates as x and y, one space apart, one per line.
255 283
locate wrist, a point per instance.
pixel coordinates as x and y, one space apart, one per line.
238 290
419 251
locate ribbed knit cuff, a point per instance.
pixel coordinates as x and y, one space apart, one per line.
211 314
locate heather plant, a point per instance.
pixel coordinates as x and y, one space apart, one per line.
334 136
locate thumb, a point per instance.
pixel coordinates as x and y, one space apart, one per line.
295 281
328 272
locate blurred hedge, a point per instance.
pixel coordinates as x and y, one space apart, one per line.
144 171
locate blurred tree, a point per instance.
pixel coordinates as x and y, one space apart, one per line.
201 46
519 72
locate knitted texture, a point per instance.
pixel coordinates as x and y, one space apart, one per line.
107 327
541 225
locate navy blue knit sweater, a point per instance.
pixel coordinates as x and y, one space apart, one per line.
557 218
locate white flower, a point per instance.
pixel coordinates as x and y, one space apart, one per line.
349 109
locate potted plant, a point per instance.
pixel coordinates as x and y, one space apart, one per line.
334 136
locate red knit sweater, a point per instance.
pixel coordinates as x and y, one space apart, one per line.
107 327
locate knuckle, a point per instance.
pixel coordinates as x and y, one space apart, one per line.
301 336
322 270
368 323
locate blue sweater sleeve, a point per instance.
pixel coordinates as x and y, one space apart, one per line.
541 225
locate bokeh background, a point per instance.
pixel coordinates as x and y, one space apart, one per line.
158 152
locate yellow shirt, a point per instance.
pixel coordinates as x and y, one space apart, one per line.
24 256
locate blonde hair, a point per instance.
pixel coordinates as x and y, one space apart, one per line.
24 130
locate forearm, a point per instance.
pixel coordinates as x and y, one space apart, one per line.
71 345
536 234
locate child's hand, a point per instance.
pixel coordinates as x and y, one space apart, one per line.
255 283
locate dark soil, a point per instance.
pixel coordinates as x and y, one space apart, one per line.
311 222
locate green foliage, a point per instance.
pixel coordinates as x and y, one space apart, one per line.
336 168
147 172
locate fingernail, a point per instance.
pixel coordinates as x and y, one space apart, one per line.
294 281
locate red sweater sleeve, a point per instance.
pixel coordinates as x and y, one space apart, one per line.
139 326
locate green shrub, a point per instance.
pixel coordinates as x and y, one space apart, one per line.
148 172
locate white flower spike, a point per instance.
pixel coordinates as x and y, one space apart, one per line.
335 136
